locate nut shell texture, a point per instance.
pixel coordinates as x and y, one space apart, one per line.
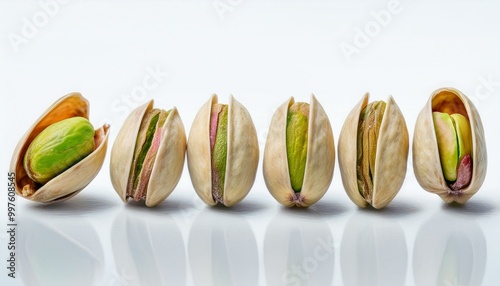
169 161
73 180
320 160
242 153
426 161
391 155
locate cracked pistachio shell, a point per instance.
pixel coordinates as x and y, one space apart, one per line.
71 181
320 159
242 153
426 158
390 159
168 163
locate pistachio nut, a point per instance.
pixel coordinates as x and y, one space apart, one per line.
60 154
373 152
449 149
299 156
222 152
147 157
58 147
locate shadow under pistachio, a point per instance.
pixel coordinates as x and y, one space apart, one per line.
246 206
449 250
170 206
373 251
82 204
148 249
329 208
396 208
56 251
222 249
473 207
298 250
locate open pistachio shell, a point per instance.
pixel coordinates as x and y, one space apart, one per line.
70 182
391 155
242 153
320 160
168 163
426 158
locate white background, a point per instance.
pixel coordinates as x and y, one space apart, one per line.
262 52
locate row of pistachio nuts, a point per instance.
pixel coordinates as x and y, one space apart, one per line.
223 152
147 157
61 153
449 150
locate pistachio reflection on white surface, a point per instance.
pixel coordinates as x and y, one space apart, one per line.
222 249
298 250
373 251
449 250
148 249
56 251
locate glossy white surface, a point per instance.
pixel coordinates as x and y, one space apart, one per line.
95 240
121 54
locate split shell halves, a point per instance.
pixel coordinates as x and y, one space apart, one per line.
390 160
70 182
169 161
426 160
320 160
242 153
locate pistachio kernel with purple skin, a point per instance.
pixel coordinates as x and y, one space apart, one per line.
455 171
218 149
222 152
454 138
146 147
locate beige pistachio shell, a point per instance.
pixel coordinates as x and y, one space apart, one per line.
320 160
73 180
242 153
391 155
169 161
426 161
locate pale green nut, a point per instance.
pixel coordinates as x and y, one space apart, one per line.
146 149
454 140
296 142
218 149
58 147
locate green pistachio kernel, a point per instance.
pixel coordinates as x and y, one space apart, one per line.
296 142
58 147
146 147
454 140
218 148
